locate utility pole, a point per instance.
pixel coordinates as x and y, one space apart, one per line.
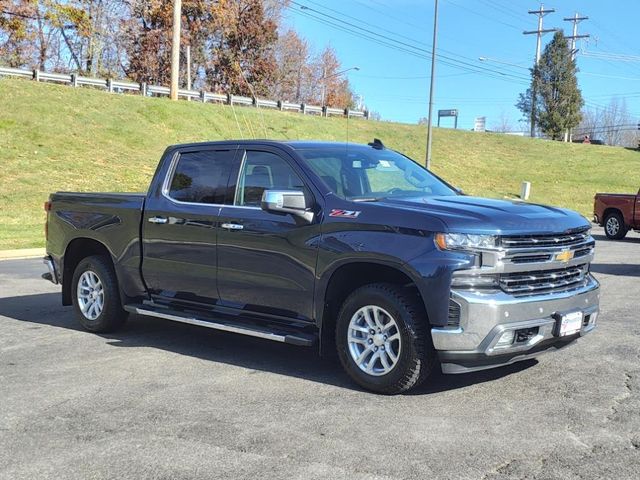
541 13
188 52
324 86
431 86
175 49
576 19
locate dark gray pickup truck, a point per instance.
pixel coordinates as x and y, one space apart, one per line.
351 248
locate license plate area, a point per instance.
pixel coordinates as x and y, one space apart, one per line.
568 323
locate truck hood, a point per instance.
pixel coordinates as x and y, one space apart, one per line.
483 215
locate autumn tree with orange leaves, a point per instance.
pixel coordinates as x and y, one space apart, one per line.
236 46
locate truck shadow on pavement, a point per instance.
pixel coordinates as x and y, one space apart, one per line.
618 269
603 238
215 346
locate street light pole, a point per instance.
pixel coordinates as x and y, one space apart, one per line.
433 71
175 49
324 77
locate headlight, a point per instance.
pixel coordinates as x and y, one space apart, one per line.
464 241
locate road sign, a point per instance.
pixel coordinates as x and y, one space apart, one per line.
448 113
480 124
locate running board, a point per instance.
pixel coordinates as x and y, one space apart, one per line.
301 339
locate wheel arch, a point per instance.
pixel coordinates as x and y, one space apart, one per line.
77 250
341 281
609 211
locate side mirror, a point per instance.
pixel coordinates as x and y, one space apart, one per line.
286 201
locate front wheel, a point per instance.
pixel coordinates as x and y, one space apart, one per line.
614 227
96 298
383 340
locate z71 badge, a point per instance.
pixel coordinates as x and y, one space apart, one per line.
344 213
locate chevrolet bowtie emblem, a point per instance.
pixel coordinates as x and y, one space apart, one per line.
564 256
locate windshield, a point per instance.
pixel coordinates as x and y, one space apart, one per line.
367 174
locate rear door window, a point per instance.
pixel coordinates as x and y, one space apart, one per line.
202 177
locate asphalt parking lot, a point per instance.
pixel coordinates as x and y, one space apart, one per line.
160 400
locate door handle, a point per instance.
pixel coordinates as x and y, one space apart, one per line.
159 220
232 226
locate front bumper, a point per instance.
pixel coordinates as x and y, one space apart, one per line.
485 317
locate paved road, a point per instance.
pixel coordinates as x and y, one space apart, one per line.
161 400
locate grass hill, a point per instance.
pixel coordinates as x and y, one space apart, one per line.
59 138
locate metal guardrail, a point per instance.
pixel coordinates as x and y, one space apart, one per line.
290 106
261 102
333 111
120 86
240 100
213 97
91 82
311 109
15 72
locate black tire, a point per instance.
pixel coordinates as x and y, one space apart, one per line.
417 355
614 227
111 315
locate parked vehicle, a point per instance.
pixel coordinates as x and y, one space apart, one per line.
354 248
617 213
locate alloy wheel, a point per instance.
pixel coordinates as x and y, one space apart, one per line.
613 226
90 295
374 340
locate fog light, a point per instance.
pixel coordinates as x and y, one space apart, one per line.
506 339
525 334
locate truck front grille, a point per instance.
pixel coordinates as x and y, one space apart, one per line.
537 241
544 281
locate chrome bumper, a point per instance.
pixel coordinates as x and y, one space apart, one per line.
51 275
484 318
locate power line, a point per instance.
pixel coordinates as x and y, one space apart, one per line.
388 15
475 12
515 14
360 21
398 45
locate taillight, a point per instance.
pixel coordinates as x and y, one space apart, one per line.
47 208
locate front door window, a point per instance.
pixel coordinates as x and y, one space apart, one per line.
264 171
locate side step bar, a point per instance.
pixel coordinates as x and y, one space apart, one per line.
300 339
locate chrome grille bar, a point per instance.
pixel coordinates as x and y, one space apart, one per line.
537 241
543 280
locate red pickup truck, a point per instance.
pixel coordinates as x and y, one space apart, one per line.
617 213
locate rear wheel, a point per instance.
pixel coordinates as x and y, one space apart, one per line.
382 339
614 227
96 298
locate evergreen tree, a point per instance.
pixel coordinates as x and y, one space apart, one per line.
554 89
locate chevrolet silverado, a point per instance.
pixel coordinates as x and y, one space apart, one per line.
354 249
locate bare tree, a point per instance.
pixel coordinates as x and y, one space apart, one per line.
613 120
503 124
293 70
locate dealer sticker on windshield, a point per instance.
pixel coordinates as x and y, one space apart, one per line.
344 213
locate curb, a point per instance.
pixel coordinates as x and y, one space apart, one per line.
21 253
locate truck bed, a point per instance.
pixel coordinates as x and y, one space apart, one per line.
109 219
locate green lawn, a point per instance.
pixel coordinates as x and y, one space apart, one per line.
59 138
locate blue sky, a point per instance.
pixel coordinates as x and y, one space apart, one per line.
396 83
